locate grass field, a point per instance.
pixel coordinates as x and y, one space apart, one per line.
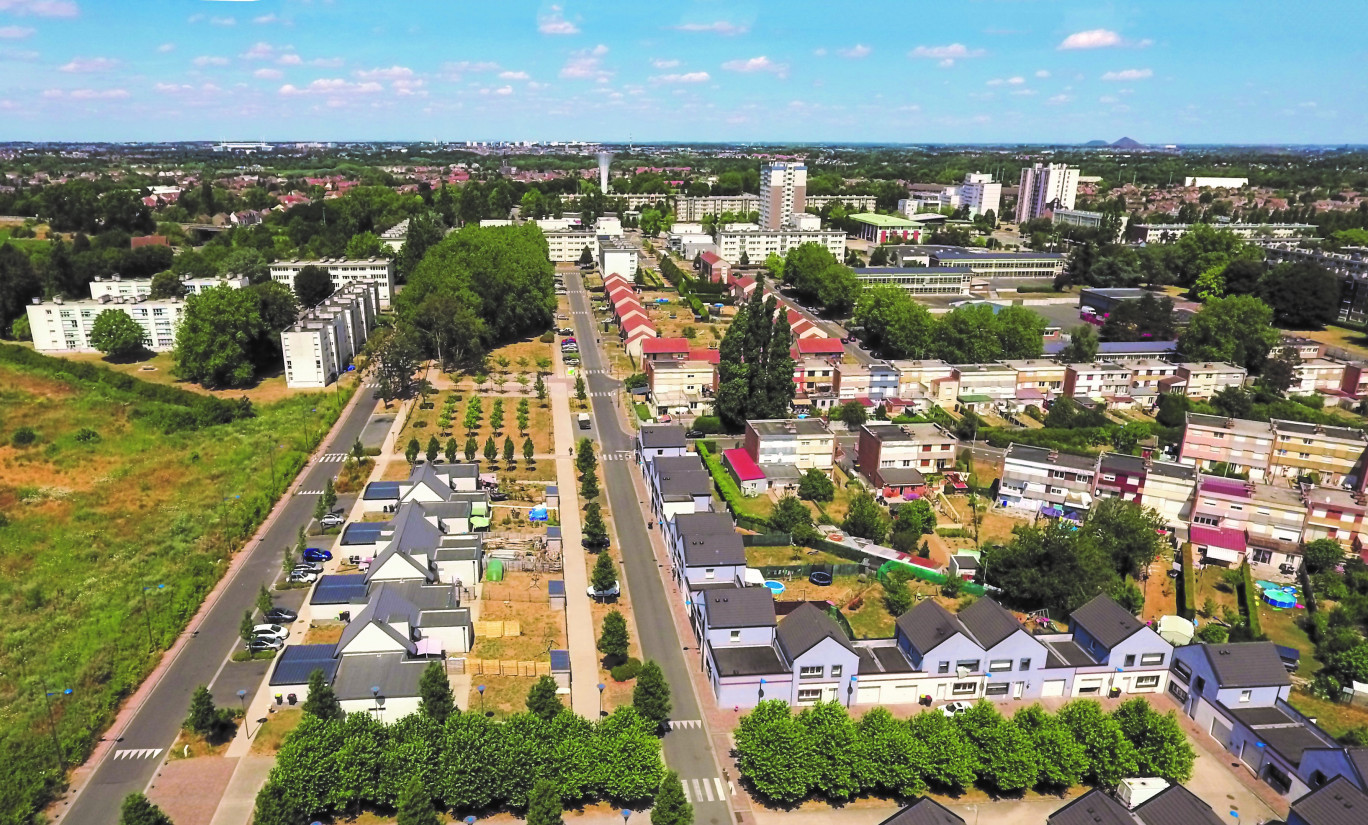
101 506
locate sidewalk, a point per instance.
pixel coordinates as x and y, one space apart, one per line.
579 620
239 799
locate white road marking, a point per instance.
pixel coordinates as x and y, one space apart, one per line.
137 753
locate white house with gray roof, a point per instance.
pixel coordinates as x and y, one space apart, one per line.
706 551
426 483
680 485
1037 480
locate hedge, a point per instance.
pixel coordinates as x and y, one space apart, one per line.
766 540
1187 606
1249 601
731 494
893 573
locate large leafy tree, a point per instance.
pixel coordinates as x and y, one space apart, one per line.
19 283
832 740
1161 747
818 277
248 262
219 333
755 376
313 284
895 324
1302 295
865 518
1238 329
774 751
139 810
1111 756
1150 318
394 358
889 759
1060 758
116 334
1006 761
1127 532
951 761
1049 567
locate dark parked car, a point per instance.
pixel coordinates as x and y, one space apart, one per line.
317 554
694 434
281 615
498 496
595 544
820 578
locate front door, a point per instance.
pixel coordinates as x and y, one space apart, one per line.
1017 689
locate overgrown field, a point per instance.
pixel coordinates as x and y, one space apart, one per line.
125 485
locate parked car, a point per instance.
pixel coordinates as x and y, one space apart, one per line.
592 544
566 331
281 615
611 593
332 520
498 496
309 567
955 708
270 631
317 554
302 576
261 644
694 434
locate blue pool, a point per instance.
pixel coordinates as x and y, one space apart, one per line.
775 587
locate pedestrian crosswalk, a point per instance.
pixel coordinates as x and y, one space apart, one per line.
603 393
679 724
333 457
619 455
309 493
138 753
371 384
707 789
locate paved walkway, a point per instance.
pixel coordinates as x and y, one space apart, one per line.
240 797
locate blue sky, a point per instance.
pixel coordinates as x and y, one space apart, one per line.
1249 71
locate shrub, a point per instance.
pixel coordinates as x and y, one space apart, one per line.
626 671
708 424
23 437
1249 602
1187 608
547 338
1214 633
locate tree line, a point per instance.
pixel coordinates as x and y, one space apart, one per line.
823 752
755 372
896 325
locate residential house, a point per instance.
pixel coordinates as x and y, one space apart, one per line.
802 443
1306 349
665 349
1228 514
1038 381
829 349
1355 383
1334 513
1048 482
1120 476
1317 375
682 387
1099 381
635 331
1334 455
1123 352
984 386
658 441
813 377
896 458
1200 381
1168 490
807 657
980 652
426 483
713 268
924 383
706 551
680 485
1112 637
925 811
749 477
1338 802
1242 446
1175 805
1147 380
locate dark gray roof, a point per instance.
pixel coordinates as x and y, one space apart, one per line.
702 523
888 659
1092 808
1106 621
1038 455
751 660
363 532
709 539
1358 757
1066 653
683 482
964 562
459 617
988 622
1255 717
1337 802
801 630
396 677
739 607
339 589
560 661
296 662
381 490
1176 805
1246 664
901 475
927 625
1292 742
1119 462
385 606
924 811
662 436
436 478
667 464
393 551
1169 469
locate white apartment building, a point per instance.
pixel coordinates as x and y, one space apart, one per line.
1170 232
326 338
783 192
756 243
1216 183
1088 220
608 225
981 194
567 246
395 236
1045 187
344 271
116 287
60 325
616 256
693 209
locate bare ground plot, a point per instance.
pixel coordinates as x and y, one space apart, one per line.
188 790
520 598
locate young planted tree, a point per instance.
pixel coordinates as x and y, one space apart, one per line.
509 451
529 450
322 702
320 508
595 532
491 452
522 419
471 448
613 638
540 387
496 415
263 600
544 804
866 518
246 625
434 690
472 416
415 804
452 451
542 700
329 497
589 487
580 392
433 449
604 575
204 716
411 451
585 460
651 695
671 807
139 810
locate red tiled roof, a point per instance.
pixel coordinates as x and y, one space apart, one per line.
711 258
744 281
712 356
1224 537
631 324
820 346
742 464
664 346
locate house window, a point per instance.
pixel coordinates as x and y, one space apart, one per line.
835 671
964 688
943 667
1147 681
1130 660
971 665
1182 670
1263 556
810 695
995 689
735 636
1024 664
810 672
709 573
1000 665
1151 659
1246 695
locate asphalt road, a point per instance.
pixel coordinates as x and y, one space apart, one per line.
130 765
687 748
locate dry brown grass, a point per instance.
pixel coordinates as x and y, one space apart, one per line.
274 730
328 633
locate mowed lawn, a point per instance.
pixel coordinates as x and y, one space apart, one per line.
102 505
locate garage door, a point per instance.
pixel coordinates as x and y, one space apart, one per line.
1220 731
867 695
1052 687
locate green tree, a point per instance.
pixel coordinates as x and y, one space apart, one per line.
529 450
1161 747
204 716
411 451
496 415
1238 329
138 810
434 690
329 497
595 532
671 806
853 415
613 638
394 356
1302 295
604 575
815 485
586 257
245 627
585 460
831 741
1006 761
542 699
898 598
790 515
365 245
889 759
491 452
1126 532
589 487
580 392
165 284
322 701
544 804
452 451
470 448
247 262
1056 753
1111 756
1050 566
263 600
951 761
541 388
1082 346
895 324
1321 555
220 331
651 694
774 751
434 448
312 284
508 450
865 518
415 805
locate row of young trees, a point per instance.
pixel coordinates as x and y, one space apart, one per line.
822 751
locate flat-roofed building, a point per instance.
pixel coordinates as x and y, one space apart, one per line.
898 457
919 280
982 386
324 340
616 255
696 208
1337 514
1334 454
1243 446
1036 480
682 387
1201 380
116 287
344 271
879 229
1100 381
567 245
1170 232
804 443
1317 375
736 240
1037 380
926 382
994 264
60 325
1168 490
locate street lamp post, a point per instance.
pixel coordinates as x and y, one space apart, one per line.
850 690
375 693
481 689
242 697
760 694
601 686
147 613
626 814
52 724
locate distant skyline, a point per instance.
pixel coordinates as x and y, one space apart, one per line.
971 71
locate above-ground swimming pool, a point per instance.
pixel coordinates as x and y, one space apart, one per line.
775 587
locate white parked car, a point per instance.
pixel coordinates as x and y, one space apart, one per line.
955 708
332 520
273 631
610 593
304 576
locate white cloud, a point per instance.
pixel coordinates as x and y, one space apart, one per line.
474 67
268 74
514 76
855 52
756 64
1091 39
1129 74
166 47
172 88
14 32
223 21
1059 100
586 64
265 18
18 55
687 77
332 86
210 60
89 64
326 62
290 60
1042 73
409 86
1108 99
40 8
947 55
555 23
260 50
722 27
392 73
88 94
819 53
504 90
664 64
1010 81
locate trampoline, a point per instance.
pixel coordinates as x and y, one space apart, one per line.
1280 598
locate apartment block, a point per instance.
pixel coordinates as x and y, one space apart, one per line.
325 339
804 443
1244 446
115 287
60 325
876 380
982 386
567 245
896 458
923 383
1100 381
681 386
1120 476
1334 513
1200 381
1335 454
783 193
1045 187
1317 375
919 280
750 240
1168 490
617 256
1048 482
1233 519
344 271
696 208
1037 380
985 263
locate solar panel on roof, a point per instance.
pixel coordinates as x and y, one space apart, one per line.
296 662
363 532
560 660
339 589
